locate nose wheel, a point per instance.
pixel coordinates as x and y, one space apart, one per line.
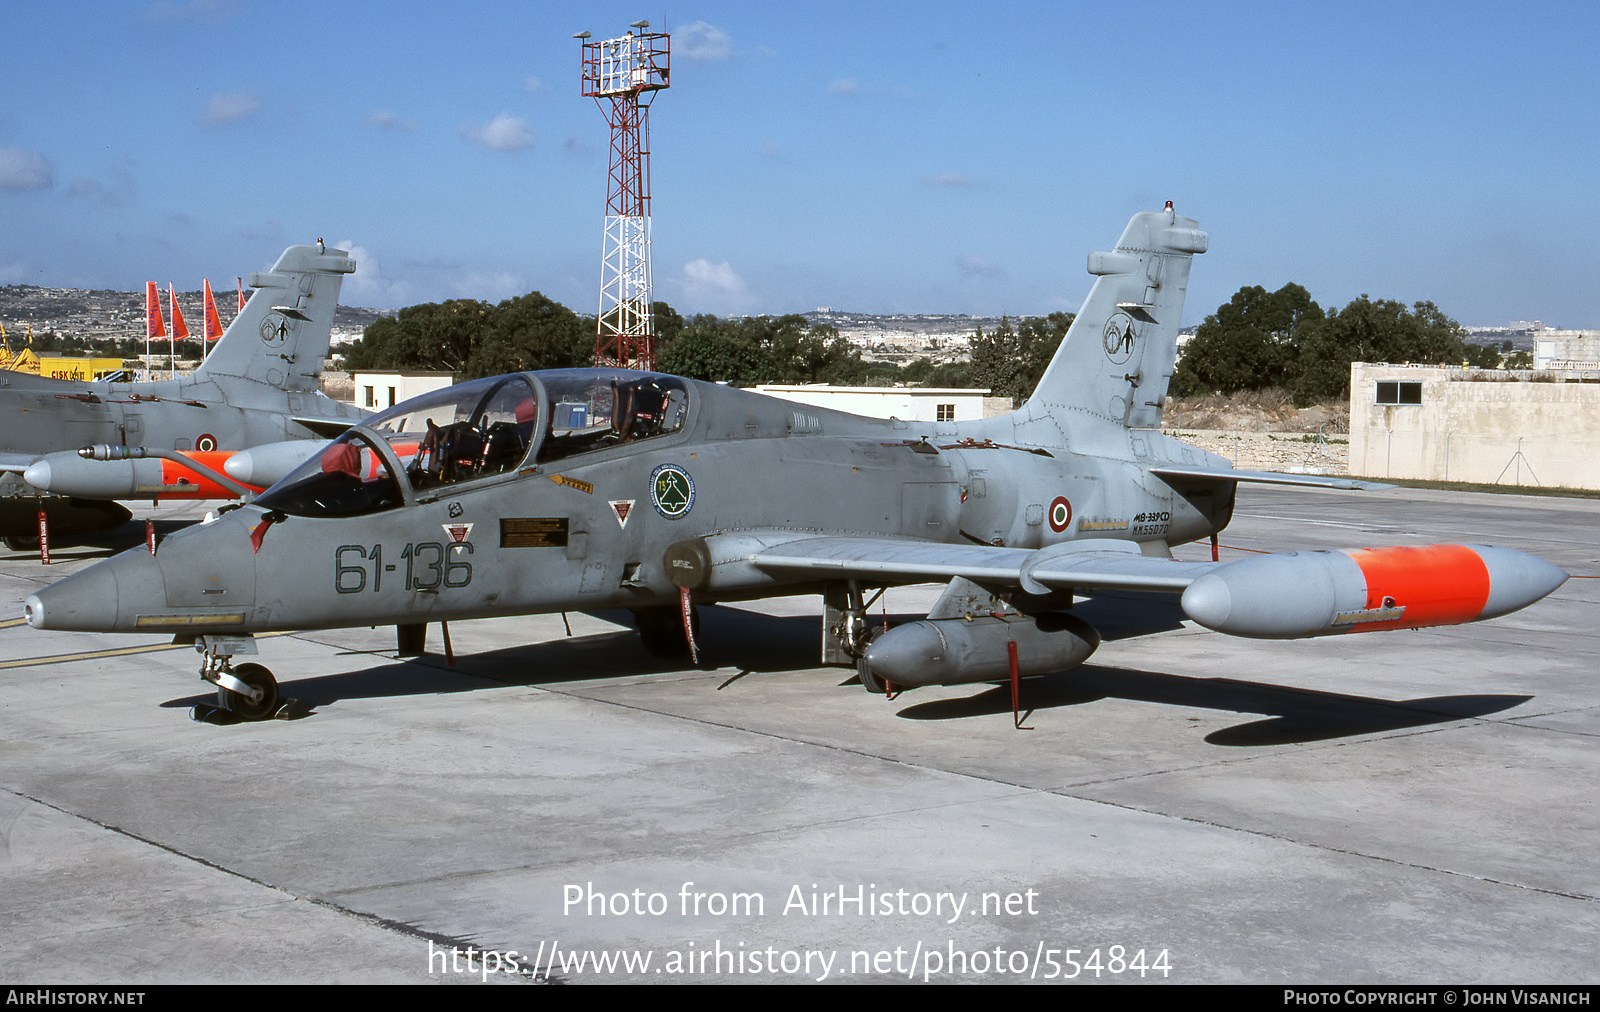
247 691
259 702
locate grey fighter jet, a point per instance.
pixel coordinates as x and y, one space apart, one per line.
604 488
260 384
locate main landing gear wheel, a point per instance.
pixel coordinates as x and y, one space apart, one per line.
257 677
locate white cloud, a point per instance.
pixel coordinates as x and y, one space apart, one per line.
503 133
367 286
702 42
12 274
222 109
25 169
533 84
973 265
387 120
949 179
845 86
716 288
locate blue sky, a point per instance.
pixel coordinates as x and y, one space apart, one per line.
880 157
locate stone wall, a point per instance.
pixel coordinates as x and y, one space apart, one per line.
1487 426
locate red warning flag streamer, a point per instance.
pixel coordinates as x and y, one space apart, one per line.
241 292
154 324
213 323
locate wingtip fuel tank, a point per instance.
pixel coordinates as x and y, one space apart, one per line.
1298 594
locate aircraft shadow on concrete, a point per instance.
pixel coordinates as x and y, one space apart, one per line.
747 641
1124 615
753 643
1298 715
105 544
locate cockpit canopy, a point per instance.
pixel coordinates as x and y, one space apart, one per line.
477 430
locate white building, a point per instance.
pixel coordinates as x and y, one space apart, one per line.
384 388
912 404
1490 426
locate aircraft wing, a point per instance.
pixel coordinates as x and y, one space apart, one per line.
1090 564
17 462
1270 596
1271 478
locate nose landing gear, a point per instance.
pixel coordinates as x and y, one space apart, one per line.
247 692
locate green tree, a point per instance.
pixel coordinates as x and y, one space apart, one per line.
997 363
531 332
1038 337
1368 331
435 336
710 349
1253 341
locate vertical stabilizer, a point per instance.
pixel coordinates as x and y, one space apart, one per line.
281 335
1117 358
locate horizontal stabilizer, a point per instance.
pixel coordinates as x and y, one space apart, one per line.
327 428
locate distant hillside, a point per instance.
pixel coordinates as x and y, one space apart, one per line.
101 313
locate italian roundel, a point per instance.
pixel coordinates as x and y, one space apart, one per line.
1060 514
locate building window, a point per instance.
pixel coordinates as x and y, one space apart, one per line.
944 413
1394 392
372 401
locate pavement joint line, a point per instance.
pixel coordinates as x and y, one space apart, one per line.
1345 851
385 923
1119 805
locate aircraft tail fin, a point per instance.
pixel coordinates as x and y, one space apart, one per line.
282 334
1117 358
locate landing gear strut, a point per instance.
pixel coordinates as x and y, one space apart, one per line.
248 692
845 630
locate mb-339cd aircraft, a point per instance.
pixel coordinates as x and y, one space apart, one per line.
605 488
259 387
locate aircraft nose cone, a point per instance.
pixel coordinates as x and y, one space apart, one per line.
1208 601
84 601
95 599
1516 579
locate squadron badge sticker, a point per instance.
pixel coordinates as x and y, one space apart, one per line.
671 491
274 330
1119 338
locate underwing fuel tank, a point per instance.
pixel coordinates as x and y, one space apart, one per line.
1296 594
955 651
68 473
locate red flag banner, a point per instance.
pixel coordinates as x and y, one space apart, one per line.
180 330
154 324
213 323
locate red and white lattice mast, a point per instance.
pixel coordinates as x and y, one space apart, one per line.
622 76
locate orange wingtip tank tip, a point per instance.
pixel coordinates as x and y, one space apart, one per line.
1435 584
